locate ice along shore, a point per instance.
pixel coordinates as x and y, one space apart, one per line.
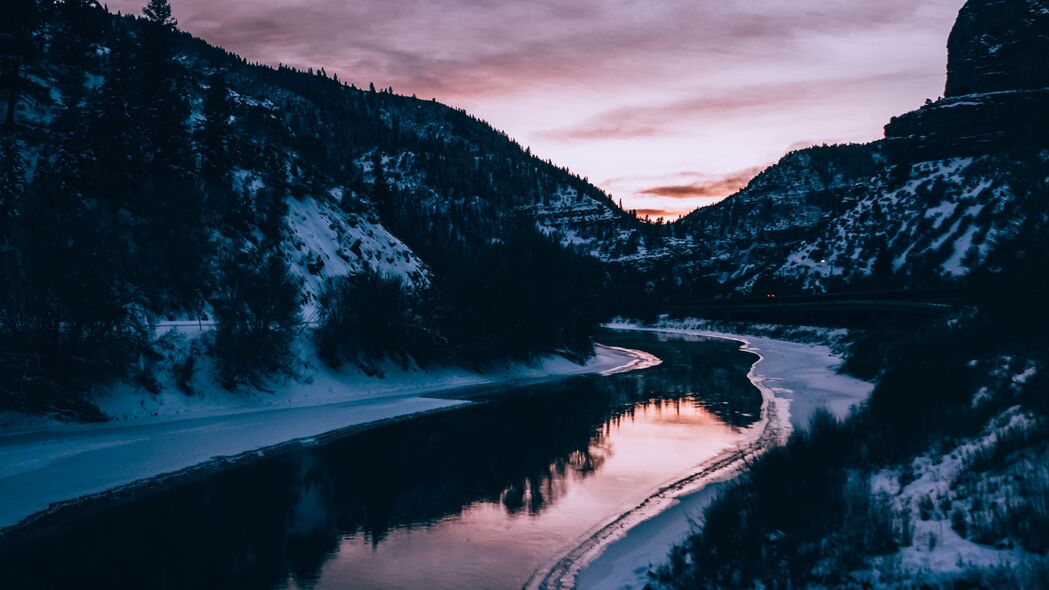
794 380
43 468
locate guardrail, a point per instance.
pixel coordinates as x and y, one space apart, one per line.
833 309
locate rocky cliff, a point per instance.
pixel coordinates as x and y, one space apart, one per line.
997 93
999 45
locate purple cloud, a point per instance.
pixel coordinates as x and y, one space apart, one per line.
450 48
662 119
706 187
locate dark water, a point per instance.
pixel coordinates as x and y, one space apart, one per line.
474 498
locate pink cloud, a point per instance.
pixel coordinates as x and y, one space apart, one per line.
663 119
454 48
710 187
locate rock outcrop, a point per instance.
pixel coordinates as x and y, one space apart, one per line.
970 125
999 45
997 94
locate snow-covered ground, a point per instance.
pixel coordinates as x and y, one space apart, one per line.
938 552
801 377
43 463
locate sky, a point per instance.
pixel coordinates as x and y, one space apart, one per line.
667 104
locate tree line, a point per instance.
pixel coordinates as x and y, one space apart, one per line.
122 199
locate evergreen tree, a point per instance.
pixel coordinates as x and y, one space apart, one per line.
882 270
158 12
214 136
164 100
173 239
271 200
382 193
80 24
114 135
258 316
18 29
68 316
222 204
12 170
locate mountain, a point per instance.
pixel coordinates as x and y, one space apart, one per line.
939 479
997 87
329 137
783 209
926 206
148 176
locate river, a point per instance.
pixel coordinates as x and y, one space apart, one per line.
483 496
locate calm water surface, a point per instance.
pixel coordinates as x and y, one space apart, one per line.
474 498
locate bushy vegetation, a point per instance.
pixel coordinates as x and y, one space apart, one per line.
367 317
519 297
257 316
1002 495
515 298
804 514
55 344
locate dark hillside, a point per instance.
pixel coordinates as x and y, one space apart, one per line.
148 176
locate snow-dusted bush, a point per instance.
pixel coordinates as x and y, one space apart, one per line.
257 315
368 317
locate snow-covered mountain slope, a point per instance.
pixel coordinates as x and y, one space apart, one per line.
324 242
362 173
942 223
929 225
780 211
923 208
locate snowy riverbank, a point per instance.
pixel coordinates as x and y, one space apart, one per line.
44 463
800 378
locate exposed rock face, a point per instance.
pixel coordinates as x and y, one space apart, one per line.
785 206
970 125
838 219
997 87
999 45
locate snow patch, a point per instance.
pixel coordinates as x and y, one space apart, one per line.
44 463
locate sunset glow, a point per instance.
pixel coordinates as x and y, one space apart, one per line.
668 104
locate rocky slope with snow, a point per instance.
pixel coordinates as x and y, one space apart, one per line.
924 207
814 224
329 137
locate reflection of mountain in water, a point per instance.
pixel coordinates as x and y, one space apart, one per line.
282 517
715 374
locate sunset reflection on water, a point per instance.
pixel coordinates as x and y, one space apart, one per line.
478 497
651 444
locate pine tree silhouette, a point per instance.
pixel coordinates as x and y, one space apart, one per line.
159 12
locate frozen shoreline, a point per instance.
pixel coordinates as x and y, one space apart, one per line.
794 379
44 464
